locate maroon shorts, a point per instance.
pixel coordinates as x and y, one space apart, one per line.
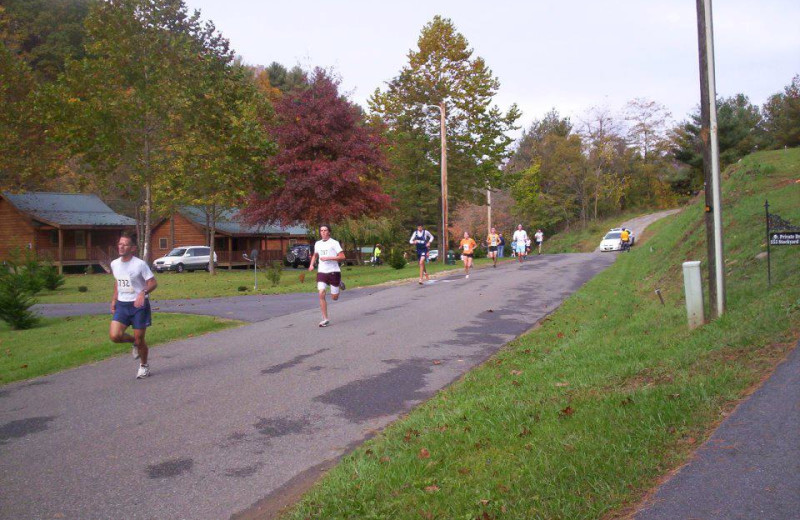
332 279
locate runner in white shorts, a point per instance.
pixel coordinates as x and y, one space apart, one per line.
521 241
329 253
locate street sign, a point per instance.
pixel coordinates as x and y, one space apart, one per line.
784 238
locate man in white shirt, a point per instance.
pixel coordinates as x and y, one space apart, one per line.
422 238
329 253
133 282
539 237
521 241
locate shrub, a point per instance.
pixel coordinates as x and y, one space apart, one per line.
50 277
83 288
480 252
396 258
274 272
16 298
242 288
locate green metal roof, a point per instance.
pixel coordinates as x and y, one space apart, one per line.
229 222
68 209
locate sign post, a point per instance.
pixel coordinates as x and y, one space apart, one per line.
786 234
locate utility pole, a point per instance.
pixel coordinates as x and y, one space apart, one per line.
443 131
489 211
708 135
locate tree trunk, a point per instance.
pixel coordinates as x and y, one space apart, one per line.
172 231
148 211
212 231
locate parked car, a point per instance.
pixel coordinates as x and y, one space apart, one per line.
611 242
433 254
297 255
185 258
632 237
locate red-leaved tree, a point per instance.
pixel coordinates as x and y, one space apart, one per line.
329 164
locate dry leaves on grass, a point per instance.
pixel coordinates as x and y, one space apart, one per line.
566 412
424 454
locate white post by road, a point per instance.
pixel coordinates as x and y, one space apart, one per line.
693 288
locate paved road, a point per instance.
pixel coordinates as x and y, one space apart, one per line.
230 419
252 307
750 467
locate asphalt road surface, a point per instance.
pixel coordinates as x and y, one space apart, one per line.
230 419
750 467
251 307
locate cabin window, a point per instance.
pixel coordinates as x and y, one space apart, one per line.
162 243
54 237
80 239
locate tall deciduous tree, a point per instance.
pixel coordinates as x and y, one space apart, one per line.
126 103
527 150
28 159
329 164
647 130
225 142
443 70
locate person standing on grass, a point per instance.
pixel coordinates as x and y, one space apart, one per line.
493 241
376 255
467 247
501 246
130 305
422 238
539 237
520 241
329 253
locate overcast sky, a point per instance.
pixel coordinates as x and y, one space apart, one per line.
569 55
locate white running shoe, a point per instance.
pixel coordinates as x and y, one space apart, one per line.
135 352
324 323
467 277
144 371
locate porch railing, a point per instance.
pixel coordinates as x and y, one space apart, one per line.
95 254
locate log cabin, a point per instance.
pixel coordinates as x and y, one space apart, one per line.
68 229
189 227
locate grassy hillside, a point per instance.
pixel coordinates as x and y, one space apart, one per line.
579 418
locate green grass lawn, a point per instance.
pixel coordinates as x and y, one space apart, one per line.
201 284
60 343
581 417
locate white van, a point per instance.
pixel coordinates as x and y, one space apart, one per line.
185 258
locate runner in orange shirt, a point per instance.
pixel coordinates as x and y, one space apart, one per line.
467 247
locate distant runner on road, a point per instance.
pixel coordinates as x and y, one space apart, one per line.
329 253
467 247
422 238
520 242
539 238
130 305
493 242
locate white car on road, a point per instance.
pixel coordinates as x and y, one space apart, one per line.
611 242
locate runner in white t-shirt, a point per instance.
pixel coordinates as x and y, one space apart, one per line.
539 238
520 242
330 253
133 282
